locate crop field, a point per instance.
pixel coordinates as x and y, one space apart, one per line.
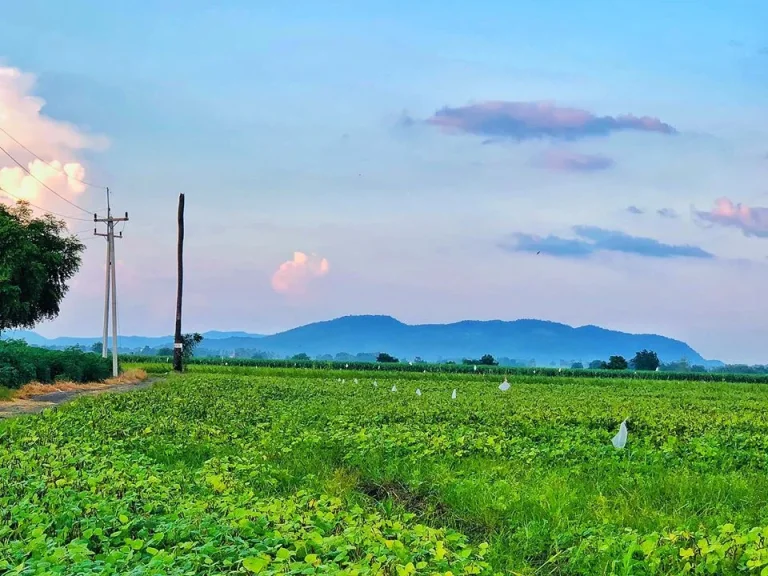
259 470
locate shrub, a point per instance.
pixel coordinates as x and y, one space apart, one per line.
21 363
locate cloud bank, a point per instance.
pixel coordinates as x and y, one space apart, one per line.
751 221
294 276
56 142
534 120
591 239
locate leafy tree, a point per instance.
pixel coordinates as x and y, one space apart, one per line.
485 360
616 363
190 342
301 357
577 366
37 259
386 358
596 365
165 351
645 360
96 347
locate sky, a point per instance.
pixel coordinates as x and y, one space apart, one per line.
583 162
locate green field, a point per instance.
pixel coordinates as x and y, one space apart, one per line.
236 469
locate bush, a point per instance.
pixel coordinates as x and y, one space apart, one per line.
21 363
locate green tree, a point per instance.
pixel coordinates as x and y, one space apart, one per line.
577 366
190 342
386 358
37 259
301 357
96 347
616 363
164 351
645 360
485 360
596 365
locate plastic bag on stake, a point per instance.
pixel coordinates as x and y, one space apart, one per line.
620 440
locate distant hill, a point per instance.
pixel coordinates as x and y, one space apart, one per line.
131 342
524 340
520 339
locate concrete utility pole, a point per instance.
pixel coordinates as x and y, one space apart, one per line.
178 345
110 281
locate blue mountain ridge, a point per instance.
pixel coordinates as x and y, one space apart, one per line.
523 339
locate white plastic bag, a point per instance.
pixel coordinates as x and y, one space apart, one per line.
394 388
620 440
418 391
504 386
375 384
453 396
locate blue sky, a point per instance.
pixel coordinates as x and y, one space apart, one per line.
572 161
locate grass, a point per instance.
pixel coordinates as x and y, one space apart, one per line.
32 389
223 469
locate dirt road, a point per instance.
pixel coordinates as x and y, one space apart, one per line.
40 403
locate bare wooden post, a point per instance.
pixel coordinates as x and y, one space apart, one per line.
178 346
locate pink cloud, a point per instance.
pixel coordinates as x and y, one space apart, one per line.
751 221
529 120
568 161
25 126
294 276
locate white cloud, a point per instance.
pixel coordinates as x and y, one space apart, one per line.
294 276
56 142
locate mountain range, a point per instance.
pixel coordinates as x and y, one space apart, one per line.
540 340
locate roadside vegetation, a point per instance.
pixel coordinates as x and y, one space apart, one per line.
21 364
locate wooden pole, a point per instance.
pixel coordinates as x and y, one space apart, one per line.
178 346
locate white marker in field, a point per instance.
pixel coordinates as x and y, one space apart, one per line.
453 396
375 384
620 440
475 367
355 380
418 391
504 386
394 388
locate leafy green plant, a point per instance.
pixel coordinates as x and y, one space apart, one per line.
20 363
236 469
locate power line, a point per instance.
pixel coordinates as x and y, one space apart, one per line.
20 165
4 131
43 209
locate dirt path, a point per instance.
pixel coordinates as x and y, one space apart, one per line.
40 403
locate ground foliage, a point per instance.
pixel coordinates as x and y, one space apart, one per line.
241 470
20 364
740 374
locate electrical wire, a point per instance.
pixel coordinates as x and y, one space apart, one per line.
4 131
20 165
43 209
